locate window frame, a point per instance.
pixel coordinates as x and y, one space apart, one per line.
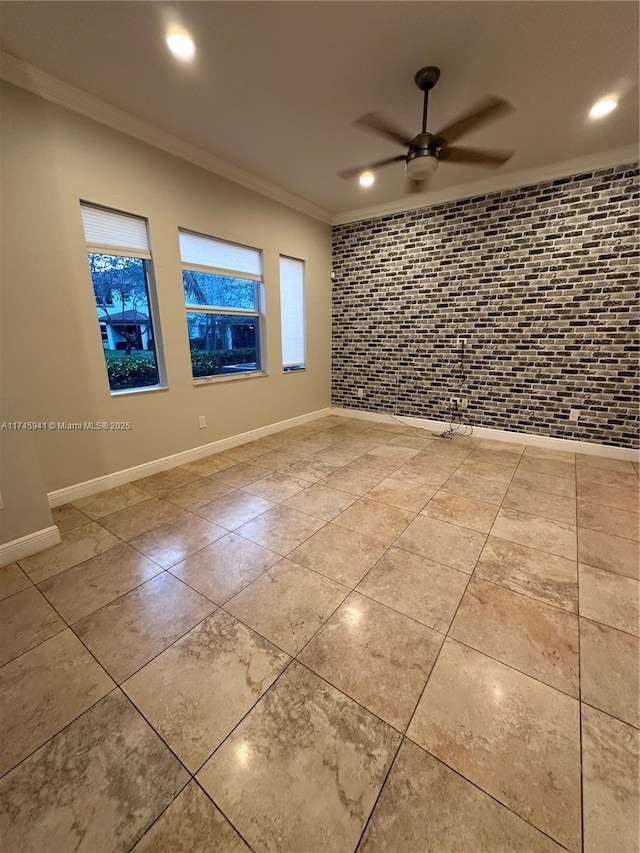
294 368
151 293
258 314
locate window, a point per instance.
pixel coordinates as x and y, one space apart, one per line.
222 294
292 313
121 272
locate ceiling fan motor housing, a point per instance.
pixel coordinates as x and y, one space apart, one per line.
427 77
423 156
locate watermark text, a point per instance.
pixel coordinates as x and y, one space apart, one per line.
64 426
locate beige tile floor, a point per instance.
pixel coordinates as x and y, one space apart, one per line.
346 636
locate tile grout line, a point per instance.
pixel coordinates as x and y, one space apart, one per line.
11 769
117 685
172 643
580 745
292 657
245 715
65 626
404 734
205 546
579 673
487 794
611 627
350 590
377 800
512 667
610 715
432 670
32 585
422 692
526 595
340 690
190 774
223 813
249 710
162 570
157 818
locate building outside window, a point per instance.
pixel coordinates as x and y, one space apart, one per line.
121 269
222 285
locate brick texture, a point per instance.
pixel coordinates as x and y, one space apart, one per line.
541 283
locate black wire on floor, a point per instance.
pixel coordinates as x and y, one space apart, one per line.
456 425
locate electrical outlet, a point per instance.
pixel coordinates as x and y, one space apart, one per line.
202 421
463 403
574 414
455 401
360 392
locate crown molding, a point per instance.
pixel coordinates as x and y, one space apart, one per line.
33 79
46 86
512 180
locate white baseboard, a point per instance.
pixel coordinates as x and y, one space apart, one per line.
566 444
128 475
30 544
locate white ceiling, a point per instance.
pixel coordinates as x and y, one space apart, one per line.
275 86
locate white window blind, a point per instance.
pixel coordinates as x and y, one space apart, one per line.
292 312
200 251
112 232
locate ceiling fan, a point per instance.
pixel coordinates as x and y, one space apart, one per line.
426 150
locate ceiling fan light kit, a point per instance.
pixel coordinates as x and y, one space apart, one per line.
422 161
426 150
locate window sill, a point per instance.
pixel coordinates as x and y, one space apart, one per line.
296 370
126 392
231 377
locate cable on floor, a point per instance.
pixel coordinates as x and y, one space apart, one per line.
456 425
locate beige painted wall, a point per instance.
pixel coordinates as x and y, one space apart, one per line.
24 497
51 159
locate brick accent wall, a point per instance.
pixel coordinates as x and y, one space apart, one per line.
540 282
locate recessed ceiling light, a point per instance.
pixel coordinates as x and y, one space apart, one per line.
367 179
603 108
181 45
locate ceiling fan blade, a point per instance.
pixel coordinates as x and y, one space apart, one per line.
357 170
383 127
480 156
489 110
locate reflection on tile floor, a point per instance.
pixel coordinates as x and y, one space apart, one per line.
345 636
